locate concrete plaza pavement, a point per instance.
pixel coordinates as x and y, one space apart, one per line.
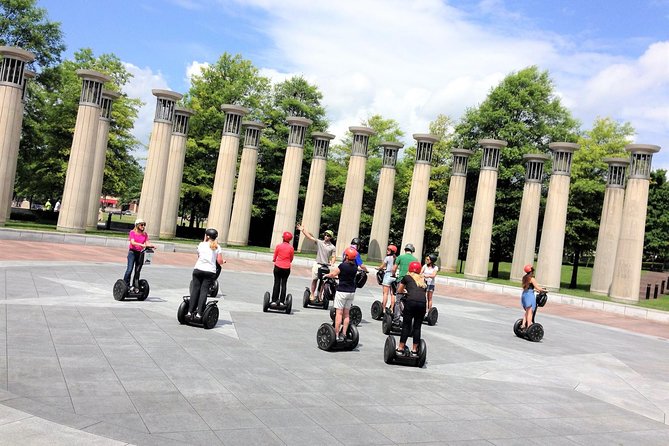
78 367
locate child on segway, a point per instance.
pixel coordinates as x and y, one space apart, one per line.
204 273
139 241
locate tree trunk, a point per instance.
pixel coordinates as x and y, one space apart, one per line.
574 270
192 218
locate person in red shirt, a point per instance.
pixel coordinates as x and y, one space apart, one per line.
283 257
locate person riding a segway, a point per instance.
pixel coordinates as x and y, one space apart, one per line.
526 327
385 278
429 271
204 272
139 251
283 258
325 258
346 272
413 288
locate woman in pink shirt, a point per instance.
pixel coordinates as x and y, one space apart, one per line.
283 257
139 240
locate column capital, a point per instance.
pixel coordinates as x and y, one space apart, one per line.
641 156
165 103
322 135
298 126
108 97
360 140
616 174
390 150
252 133
562 156
321 144
166 94
181 118
491 149
254 124
14 52
534 166
424 148
93 75
298 121
27 76
91 90
234 109
12 65
460 161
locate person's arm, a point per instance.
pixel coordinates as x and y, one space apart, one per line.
276 251
146 243
400 288
306 233
536 285
292 255
334 273
219 259
395 266
332 258
431 275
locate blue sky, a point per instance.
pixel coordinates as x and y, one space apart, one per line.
406 60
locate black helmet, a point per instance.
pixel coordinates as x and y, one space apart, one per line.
355 241
410 247
433 258
211 233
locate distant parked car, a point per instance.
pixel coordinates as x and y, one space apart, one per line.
127 213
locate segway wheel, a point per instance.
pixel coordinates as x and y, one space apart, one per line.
181 312
144 289
389 350
333 313
289 303
422 353
355 315
120 289
387 324
536 332
265 302
432 316
213 289
376 310
305 298
210 317
354 335
325 337
516 328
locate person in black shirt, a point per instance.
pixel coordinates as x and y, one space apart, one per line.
413 284
345 291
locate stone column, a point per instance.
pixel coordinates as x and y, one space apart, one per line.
286 205
313 202
349 219
224 181
551 247
609 226
99 158
414 221
627 268
383 207
12 81
480 237
528 220
153 186
175 170
74 206
449 248
12 162
240 222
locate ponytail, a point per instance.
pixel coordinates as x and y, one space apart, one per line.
213 244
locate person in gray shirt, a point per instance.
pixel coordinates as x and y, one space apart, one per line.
325 254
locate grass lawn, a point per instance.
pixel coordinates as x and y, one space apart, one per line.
582 282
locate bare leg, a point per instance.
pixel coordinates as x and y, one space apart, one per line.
346 321
313 289
429 300
338 320
385 295
527 318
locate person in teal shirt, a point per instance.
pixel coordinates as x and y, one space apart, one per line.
401 267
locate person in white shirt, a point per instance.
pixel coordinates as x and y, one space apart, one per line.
204 273
429 272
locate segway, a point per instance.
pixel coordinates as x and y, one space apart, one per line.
535 332
213 288
355 313
209 315
325 290
431 317
283 307
392 356
140 287
327 339
377 309
392 324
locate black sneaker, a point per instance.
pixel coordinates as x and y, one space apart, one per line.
340 338
189 317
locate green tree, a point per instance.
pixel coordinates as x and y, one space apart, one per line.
230 80
524 111
25 25
607 138
656 242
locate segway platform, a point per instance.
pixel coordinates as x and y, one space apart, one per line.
282 307
327 339
392 356
209 315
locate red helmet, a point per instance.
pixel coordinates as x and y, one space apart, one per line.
287 236
392 248
528 268
414 267
350 253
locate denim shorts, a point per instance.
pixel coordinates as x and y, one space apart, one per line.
388 278
528 299
430 287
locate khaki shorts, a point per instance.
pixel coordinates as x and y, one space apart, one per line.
343 300
314 270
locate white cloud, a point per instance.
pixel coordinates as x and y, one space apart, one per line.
140 86
195 69
413 60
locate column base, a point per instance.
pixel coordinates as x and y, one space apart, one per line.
164 235
599 292
551 289
237 243
478 278
625 300
71 230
